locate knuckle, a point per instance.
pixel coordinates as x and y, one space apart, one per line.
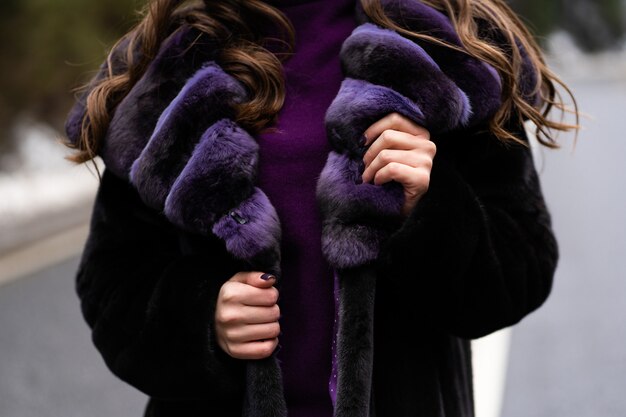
229 335
261 350
274 294
385 156
431 147
379 176
237 352
227 316
226 348
228 294
394 168
219 316
266 348
275 312
395 117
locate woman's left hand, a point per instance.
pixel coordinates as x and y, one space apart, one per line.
401 151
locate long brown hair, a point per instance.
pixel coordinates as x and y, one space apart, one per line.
506 58
244 55
234 23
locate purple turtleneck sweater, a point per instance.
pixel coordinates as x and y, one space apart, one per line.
290 162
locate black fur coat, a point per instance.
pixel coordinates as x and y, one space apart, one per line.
178 213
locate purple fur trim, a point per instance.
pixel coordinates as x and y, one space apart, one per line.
219 174
466 72
416 14
373 54
207 83
351 246
74 121
357 105
528 80
467 106
376 35
494 73
250 228
340 188
357 216
204 99
136 115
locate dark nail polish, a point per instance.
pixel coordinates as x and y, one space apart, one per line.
267 276
360 169
362 140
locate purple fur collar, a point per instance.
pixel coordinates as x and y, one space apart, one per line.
174 136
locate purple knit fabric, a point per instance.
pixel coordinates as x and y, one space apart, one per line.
290 162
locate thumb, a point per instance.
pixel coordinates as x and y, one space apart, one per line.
255 278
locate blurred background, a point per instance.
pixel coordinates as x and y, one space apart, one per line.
568 359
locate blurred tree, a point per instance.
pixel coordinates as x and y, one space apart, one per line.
594 24
540 15
50 47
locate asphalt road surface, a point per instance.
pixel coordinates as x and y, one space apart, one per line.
48 365
568 359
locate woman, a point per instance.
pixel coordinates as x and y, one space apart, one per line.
274 230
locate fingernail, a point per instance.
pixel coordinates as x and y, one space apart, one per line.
267 276
362 140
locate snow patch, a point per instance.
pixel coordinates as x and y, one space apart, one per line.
40 191
570 62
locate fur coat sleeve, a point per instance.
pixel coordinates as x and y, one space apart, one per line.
477 253
150 300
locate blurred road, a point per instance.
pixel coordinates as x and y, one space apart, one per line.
48 366
567 360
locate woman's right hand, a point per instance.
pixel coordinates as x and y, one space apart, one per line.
246 316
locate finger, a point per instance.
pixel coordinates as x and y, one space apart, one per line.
253 350
414 179
393 139
394 121
390 139
260 315
236 292
252 332
255 278
413 158
231 316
